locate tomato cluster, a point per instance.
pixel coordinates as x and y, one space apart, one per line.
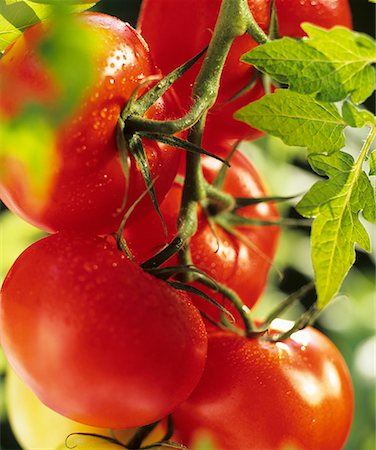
97 333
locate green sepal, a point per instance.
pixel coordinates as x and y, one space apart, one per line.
148 99
193 290
137 150
242 202
175 141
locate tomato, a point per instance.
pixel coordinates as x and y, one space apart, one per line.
97 339
182 28
264 395
88 184
241 266
35 425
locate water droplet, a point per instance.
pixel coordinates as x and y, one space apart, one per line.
103 113
110 82
81 149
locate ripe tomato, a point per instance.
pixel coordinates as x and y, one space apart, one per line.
226 258
263 395
88 185
35 425
97 339
185 27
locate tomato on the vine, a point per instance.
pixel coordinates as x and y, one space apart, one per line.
97 339
270 395
241 264
182 28
88 184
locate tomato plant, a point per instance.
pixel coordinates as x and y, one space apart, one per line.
241 260
97 326
260 394
81 306
188 27
88 186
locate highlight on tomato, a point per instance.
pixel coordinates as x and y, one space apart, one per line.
238 256
182 28
256 393
97 339
86 187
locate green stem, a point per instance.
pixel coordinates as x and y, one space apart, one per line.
366 147
222 200
253 28
193 192
141 433
232 22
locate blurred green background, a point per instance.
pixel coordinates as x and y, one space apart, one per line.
350 321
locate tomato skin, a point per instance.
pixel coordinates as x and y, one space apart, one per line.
325 13
185 27
88 182
263 395
111 340
235 264
35 425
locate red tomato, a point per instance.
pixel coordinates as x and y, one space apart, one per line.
88 184
255 394
97 339
226 258
180 29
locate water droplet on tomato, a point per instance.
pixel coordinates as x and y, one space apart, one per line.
103 113
110 81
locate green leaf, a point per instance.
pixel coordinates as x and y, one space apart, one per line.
331 64
297 119
351 53
357 118
336 203
372 163
67 44
28 142
18 15
297 64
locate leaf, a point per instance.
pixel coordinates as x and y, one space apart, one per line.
336 203
372 163
357 118
330 65
28 147
18 15
69 43
302 67
297 119
351 53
